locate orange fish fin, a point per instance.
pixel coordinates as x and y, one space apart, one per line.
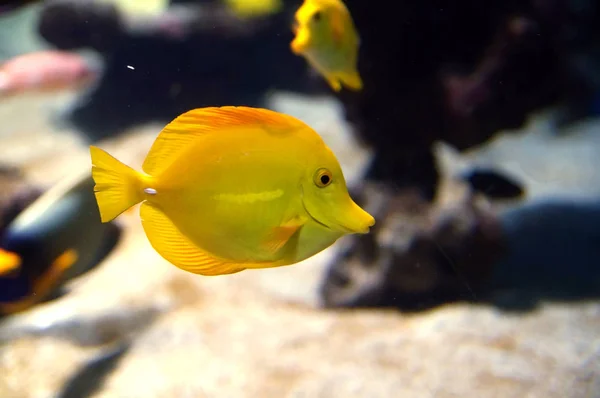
66 260
353 81
281 235
44 285
190 126
174 247
52 276
9 262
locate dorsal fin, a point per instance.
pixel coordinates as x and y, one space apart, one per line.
184 129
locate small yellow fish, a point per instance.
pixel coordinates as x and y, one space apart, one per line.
225 189
327 38
254 8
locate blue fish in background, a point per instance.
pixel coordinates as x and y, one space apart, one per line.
57 238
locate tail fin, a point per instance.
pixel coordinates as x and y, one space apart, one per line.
118 186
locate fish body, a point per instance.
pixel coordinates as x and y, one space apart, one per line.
326 36
44 71
230 188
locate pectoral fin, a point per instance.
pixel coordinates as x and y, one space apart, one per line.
281 235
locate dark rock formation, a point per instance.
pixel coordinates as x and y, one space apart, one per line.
460 72
415 259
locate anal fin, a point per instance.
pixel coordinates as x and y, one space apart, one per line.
174 247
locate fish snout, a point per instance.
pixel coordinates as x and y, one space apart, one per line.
356 220
300 42
295 47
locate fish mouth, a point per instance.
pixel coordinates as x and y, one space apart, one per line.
338 226
300 42
354 220
365 230
362 226
296 47
349 230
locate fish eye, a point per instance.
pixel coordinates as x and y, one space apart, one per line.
323 178
316 16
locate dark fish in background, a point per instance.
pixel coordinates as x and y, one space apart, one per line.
55 239
493 184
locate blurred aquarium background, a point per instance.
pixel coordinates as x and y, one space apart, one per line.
475 143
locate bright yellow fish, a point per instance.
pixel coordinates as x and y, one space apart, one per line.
230 188
327 38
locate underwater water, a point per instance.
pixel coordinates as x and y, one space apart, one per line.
473 143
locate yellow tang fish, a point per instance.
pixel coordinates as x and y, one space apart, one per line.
225 189
326 36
